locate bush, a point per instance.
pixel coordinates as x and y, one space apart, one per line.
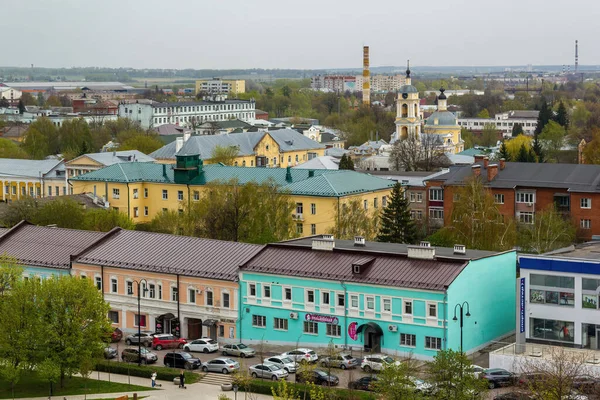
145 371
264 387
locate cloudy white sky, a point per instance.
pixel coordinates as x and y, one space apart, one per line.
296 34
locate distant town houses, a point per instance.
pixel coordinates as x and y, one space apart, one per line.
354 83
504 122
217 85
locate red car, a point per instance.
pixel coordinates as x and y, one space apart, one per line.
166 341
116 336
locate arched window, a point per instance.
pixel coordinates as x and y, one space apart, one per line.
416 110
404 133
404 110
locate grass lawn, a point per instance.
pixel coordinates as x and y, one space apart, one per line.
31 385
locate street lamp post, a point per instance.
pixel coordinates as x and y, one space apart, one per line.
139 298
461 307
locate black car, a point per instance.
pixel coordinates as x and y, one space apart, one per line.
319 378
496 377
513 396
181 360
364 383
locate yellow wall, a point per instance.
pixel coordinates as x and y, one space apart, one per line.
15 188
444 130
237 86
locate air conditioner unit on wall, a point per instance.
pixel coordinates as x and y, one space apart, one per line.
293 315
392 328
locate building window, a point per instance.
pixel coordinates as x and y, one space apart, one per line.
116 193
313 208
408 340
191 295
408 307
341 300
585 223
145 211
252 290
432 311
586 202
165 194
499 198
267 291
209 298
524 197
174 294
375 202
299 208
434 343
113 316
436 213
313 229
325 298
334 330
146 192
370 303
130 288
436 195
221 331
259 321
114 285
526 217
196 195
14 190
160 292
136 212
152 290
287 294
412 197
365 204
140 320
99 283
280 324
354 301
226 300
387 305
180 195
384 201
135 193
311 327
299 229
310 296
549 329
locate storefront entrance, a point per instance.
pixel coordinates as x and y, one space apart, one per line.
372 335
194 326
211 327
167 323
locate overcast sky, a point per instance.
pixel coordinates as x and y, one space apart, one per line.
296 34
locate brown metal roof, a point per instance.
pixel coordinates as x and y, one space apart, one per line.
44 246
387 269
157 252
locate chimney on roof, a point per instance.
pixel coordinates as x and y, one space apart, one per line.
186 136
479 157
502 163
324 243
425 244
486 161
492 171
421 252
476 170
311 173
178 144
460 249
359 241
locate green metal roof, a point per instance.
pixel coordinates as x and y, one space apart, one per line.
325 183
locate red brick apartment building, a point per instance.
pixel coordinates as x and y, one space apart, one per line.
522 189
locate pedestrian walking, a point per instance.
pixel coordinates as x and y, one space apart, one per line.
182 379
153 379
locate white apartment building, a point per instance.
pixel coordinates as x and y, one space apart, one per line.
12 95
351 83
504 122
216 85
151 115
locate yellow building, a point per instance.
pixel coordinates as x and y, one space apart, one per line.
233 86
278 148
33 178
93 161
142 190
444 125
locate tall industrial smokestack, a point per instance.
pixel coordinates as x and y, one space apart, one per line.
366 91
576 55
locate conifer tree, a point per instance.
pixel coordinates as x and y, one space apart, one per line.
396 225
523 155
517 130
503 153
562 117
544 117
536 148
343 162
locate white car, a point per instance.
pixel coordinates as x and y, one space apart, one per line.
284 362
204 345
268 371
377 362
302 355
477 370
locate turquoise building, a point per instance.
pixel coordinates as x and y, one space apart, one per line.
378 297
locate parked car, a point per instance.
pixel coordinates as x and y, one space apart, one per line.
204 345
531 379
284 362
343 361
420 386
239 350
166 341
116 335
268 371
477 370
302 355
586 383
221 364
110 352
514 396
496 377
181 360
319 377
132 355
575 395
364 383
377 362
135 338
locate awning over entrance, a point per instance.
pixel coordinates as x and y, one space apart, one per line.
166 316
371 325
209 322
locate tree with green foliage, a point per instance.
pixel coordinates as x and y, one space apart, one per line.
537 150
395 225
452 374
9 149
144 143
553 138
351 219
467 136
562 117
4 103
396 381
484 114
517 130
503 153
62 212
224 154
346 163
523 155
28 100
489 136
104 220
550 230
21 107
10 274
75 138
544 116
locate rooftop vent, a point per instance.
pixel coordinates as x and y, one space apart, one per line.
323 244
359 241
421 252
327 237
425 244
460 249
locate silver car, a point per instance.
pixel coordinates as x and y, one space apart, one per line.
343 361
284 362
144 337
268 371
239 350
222 364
